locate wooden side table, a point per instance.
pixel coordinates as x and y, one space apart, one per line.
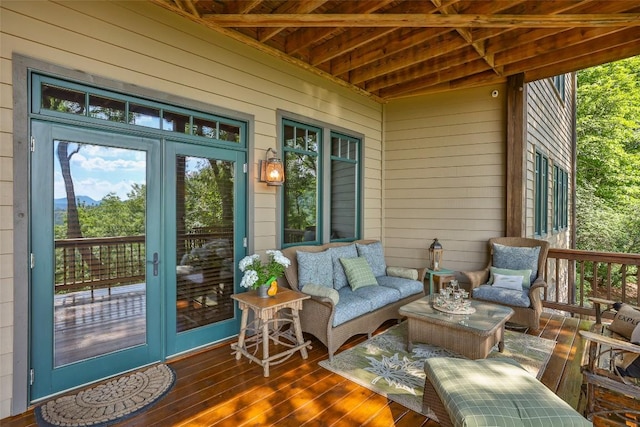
442 275
269 324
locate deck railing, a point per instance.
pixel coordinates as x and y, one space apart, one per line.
573 276
100 262
105 262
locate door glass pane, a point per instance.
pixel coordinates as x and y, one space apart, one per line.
99 239
204 252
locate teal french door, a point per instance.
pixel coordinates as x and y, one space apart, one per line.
96 284
204 242
135 242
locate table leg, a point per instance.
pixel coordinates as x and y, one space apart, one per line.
298 330
501 342
243 331
265 346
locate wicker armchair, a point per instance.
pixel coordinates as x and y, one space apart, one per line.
524 316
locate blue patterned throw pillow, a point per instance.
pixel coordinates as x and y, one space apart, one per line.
374 254
337 252
517 258
315 268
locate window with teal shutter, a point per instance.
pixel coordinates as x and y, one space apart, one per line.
541 194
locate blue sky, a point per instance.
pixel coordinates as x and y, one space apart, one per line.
98 171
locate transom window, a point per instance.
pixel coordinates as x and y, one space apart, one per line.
321 194
58 97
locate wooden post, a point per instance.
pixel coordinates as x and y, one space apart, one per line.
516 157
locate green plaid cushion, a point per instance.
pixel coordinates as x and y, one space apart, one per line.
358 272
497 392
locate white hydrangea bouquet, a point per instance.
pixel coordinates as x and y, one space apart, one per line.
257 274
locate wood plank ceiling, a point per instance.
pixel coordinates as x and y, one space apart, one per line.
388 49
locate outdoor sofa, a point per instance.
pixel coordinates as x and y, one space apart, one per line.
339 308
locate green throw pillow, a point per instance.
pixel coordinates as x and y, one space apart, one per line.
505 271
358 271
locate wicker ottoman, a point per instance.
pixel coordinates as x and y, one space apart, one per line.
492 392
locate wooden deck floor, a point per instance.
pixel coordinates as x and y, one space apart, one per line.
214 389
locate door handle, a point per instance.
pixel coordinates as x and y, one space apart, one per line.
155 262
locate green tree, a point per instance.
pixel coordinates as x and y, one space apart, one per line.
608 157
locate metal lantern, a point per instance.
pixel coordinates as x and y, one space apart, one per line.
435 255
271 170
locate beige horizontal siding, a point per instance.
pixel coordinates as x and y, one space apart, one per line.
444 177
550 132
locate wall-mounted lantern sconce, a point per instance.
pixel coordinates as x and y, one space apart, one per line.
271 170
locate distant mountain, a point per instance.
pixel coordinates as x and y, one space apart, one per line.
81 200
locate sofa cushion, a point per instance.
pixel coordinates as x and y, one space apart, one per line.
358 272
322 291
517 258
374 254
503 295
315 268
406 287
350 306
337 252
378 296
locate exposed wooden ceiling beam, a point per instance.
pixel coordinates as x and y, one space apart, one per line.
355 38
376 50
458 57
389 49
561 40
245 7
481 79
422 20
267 49
445 43
559 55
591 59
346 42
289 8
304 37
467 33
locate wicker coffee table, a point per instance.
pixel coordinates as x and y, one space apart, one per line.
471 335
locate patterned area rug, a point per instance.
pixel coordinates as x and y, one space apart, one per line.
383 365
110 402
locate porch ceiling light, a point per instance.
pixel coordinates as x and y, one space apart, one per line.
271 170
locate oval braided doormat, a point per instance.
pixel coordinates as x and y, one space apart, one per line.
109 402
